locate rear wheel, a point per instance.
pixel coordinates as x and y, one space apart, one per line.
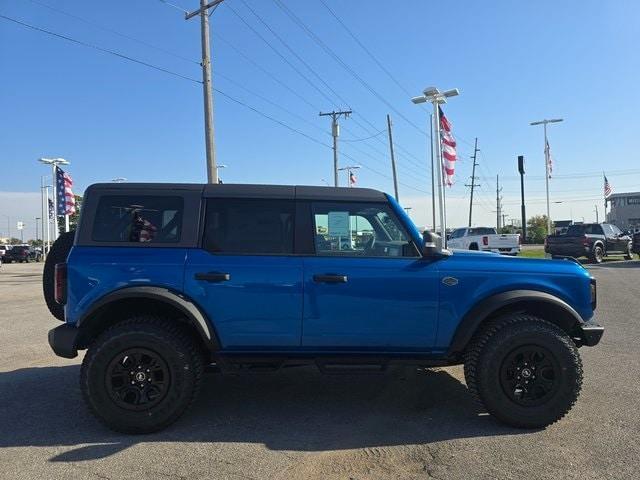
597 255
629 252
473 246
141 375
525 371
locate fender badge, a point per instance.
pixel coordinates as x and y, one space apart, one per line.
450 281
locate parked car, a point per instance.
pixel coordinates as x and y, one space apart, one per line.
486 239
592 240
635 247
242 276
19 254
4 249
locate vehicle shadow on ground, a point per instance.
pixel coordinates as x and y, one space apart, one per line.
294 409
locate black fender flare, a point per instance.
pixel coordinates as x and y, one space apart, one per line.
189 309
472 320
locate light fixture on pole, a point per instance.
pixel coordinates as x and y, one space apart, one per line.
546 163
119 180
436 98
218 167
349 169
54 162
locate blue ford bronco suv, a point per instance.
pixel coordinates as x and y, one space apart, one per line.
161 281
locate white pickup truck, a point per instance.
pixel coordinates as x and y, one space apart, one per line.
485 239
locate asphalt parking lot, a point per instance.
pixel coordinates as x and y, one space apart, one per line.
299 424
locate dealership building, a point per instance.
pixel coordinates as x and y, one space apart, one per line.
624 210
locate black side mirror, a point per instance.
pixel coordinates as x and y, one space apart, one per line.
432 245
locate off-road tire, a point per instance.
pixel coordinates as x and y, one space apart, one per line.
170 342
494 344
58 254
597 254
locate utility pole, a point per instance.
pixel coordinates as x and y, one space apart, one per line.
335 132
597 217
37 218
498 202
207 85
393 159
473 179
504 216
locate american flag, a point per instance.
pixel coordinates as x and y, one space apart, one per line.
352 178
65 199
448 149
607 188
547 152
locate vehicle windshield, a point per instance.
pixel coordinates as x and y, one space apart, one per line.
19 248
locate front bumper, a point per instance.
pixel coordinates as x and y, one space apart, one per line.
590 333
64 341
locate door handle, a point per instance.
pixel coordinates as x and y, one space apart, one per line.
330 278
212 276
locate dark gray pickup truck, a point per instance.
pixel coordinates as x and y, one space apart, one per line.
592 240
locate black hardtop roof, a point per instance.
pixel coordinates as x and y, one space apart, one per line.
231 190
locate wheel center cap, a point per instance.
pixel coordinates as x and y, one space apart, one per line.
140 377
526 373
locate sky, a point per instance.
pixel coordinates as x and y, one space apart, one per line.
278 63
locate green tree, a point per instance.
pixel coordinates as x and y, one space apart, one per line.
14 241
537 228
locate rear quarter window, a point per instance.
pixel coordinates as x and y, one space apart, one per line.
138 219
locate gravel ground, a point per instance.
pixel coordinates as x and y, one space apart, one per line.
299 424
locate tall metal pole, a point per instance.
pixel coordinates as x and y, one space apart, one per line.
37 228
436 140
546 177
54 195
393 159
42 209
498 203
522 207
597 217
46 200
473 180
433 178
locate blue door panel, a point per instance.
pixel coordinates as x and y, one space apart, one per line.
386 304
260 306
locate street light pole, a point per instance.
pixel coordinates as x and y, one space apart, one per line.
546 163
436 97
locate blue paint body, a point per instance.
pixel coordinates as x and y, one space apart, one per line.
271 303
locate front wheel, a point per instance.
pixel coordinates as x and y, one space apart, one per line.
141 375
629 253
526 371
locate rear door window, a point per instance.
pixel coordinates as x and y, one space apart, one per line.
249 226
138 219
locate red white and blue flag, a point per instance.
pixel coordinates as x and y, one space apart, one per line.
64 196
449 155
547 152
607 188
352 178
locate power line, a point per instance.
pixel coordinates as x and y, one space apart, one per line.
277 52
104 50
341 62
292 51
174 6
366 138
115 32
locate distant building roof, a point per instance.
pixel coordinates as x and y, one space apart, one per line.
629 194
